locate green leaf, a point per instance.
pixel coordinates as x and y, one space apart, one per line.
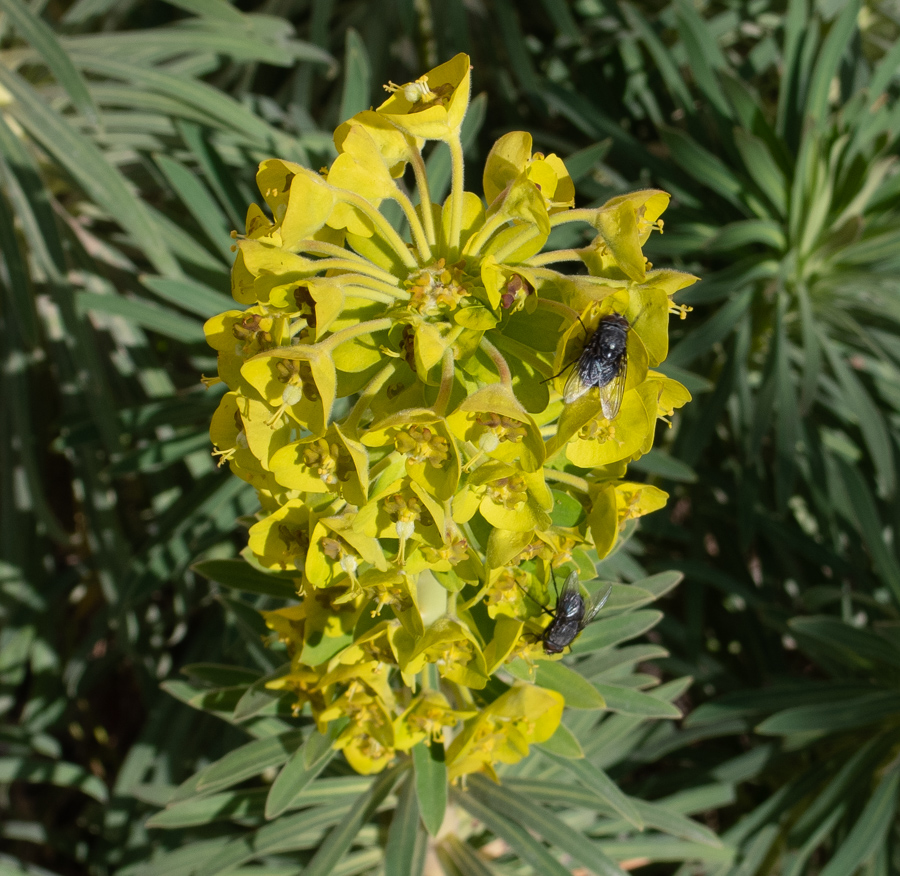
150 316
578 693
596 780
656 462
18 292
832 717
705 167
249 760
293 778
356 95
870 830
189 295
61 774
240 575
713 331
763 169
518 838
610 631
198 202
258 696
89 167
232 805
634 702
567 510
431 784
45 43
661 583
460 859
703 55
563 742
541 820
855 647
829 58
344 834
406 844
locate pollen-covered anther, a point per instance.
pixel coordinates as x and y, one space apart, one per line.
437 289
510 582
682 310
599 430
422 444
324 459
502 428
510 492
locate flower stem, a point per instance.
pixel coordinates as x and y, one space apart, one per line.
554 255
354 331
365 399
520 351
448 371
498 360
349 266
382 225
415 226
473 247
456 193
418 166
563 477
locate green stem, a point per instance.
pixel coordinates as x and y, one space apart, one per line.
532 232
348 266
394 240
418 166
558 307
415 226
526 354
448 370
498 360
457 191
354 331
554 255
563 477
473 247
373 387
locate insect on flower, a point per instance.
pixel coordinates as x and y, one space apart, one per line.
571 614
603 363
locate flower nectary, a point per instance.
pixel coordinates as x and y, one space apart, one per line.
392 400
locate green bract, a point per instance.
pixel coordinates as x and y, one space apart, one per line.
397 403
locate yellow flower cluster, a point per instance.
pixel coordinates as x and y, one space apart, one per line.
399 404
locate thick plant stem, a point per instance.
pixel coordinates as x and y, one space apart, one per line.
373 387
475 244
456 194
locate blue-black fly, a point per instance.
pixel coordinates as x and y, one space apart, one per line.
570 615
603 363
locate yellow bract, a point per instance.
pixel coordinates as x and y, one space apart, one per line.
396 400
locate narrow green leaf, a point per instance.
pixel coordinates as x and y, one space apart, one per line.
460 859
150 316
17 289
431 784
189 295
356 95
596 780
703 166
89 167
258 696
33 30
635 702
404 851
564 743
660 817
826 67
344 834
235 805
541 820
610 631
292 779
704 57
763 169
662 57
864 840
240 575
578 693
250 760
518 838
199 203
61 774
661 583
856 647
832 717
713 331
656 462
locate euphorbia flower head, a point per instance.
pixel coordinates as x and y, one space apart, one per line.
396 400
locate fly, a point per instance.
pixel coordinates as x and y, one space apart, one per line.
571 614
603 363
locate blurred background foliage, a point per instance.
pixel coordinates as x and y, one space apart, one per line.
129 137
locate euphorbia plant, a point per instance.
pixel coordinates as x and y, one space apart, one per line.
396 400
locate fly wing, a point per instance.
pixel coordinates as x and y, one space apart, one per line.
575 386
611 394
570 588
597 602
